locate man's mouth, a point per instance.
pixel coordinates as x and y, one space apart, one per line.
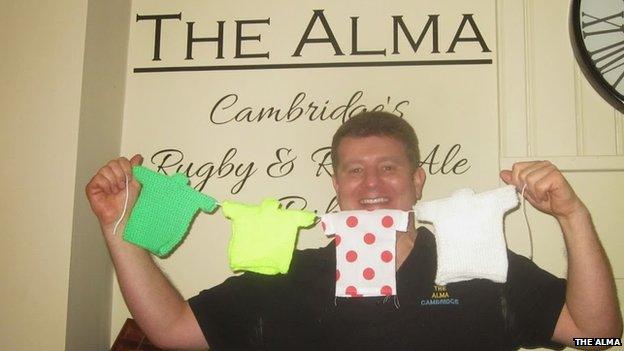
374 201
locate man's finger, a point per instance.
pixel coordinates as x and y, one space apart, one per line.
515 173
523 175
545 185
539 181
99 183
108 173
117 168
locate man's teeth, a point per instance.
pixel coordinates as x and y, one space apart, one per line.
377 200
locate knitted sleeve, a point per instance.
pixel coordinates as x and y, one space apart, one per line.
141 174
402 219
427 211
507 197
302 218
233 210
327 223
204 202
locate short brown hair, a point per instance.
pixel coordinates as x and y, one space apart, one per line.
378 123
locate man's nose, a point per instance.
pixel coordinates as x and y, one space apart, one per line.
371 178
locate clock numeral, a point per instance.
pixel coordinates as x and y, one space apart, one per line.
613 65
618 80
605 48
601 20
613 49
608 67
598 20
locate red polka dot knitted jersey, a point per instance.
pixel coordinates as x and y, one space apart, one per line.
365 250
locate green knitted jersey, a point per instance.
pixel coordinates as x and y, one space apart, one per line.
164 210
263 237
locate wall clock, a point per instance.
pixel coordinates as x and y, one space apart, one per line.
597 34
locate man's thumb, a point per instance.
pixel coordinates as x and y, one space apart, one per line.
136 160
506 176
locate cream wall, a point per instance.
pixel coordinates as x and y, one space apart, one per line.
41 68
99 135
61 95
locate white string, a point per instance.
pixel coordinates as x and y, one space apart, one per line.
123 213
526 220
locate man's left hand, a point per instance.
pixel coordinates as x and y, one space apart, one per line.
546 188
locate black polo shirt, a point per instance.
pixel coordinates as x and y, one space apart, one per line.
299 311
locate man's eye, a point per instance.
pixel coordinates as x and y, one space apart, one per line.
355 170
388 168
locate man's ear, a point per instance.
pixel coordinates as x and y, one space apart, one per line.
419 178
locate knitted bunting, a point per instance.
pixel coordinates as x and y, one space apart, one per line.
469 233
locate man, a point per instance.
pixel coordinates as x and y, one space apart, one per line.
376 166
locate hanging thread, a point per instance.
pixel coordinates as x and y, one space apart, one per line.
123 213
526 221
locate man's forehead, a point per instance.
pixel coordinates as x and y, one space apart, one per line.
371 147
370 139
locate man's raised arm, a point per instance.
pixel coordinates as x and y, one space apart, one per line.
153 301
591 308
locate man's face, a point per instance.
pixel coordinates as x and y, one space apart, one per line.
374 172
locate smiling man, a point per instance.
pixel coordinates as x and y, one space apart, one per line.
376 166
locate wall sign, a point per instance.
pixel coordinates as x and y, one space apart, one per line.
244 98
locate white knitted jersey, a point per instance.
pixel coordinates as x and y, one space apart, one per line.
469 233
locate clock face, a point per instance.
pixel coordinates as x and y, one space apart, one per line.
597 28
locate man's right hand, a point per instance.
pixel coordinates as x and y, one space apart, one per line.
106 190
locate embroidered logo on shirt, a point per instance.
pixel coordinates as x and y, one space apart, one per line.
439 296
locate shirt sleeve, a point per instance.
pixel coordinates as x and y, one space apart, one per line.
204 202
141 174
303 218
426 211
507 197
533 299
327 223
401 218
232 210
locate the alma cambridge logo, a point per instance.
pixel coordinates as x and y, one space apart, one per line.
408 38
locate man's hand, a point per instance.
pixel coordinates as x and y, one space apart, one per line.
546 188
106 190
